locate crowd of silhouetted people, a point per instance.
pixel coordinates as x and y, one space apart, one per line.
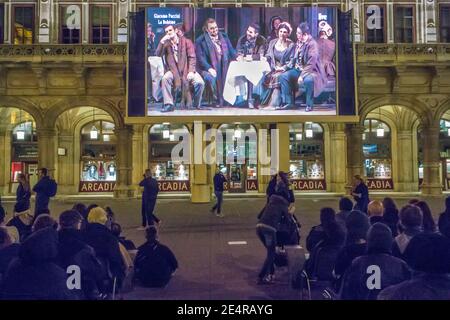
82 255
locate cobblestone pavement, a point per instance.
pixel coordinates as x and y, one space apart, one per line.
211 268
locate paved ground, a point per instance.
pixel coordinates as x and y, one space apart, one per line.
210 268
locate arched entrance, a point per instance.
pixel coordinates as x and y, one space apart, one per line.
19 148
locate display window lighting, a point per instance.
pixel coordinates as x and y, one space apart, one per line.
20 134
166 134
298 136
94 133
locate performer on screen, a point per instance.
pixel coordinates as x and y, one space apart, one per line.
252 42
181 77
312 77
278 55
214 54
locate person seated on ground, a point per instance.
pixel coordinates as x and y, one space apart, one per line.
429 256
8 250
111 216
375 212
345 207
116 230
72 250
357 227
106 246
44 221
317 233
34 275
390 215
411 224
81 209
392 270
12 230
23 223
428 223
444 225
334 239
155 263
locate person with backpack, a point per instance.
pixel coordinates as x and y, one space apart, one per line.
155 263
44 189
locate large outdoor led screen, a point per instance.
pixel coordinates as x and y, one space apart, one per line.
241 62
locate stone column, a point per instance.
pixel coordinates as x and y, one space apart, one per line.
47 144
66 165
283 147
124 189
407 159
5 163
431 185
138 156
200 182
354 152
338 153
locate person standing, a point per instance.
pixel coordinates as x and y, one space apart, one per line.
214 54
23 194
360 193
219 180
44 189
178 53
149 197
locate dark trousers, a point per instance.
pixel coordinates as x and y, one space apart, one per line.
268 237
219 199
288 83
148 218
308 88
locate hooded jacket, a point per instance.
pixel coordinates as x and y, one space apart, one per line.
34 274
275 211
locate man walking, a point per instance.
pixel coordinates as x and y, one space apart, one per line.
44 189
219 180
149 197
178 53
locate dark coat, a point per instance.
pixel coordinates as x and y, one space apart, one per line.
106 247
72 250
151 189
420 287
401 242
363 201
43 189
310 65
275 211
7 255
393 271
186 63
34 275
22 199
316 235
327 51
154 264
207 56
23 224
347 254
254 48
271 188
375 219
270 54
219 180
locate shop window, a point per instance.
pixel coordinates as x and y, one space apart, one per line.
307 156
237 157
444 145
377 150
375 27
404 24
100 24
162 139
98 152
24 151
70 31
23 23
444 23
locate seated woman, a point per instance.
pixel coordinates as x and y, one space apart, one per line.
278 55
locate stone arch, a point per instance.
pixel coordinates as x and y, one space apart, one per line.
441 110
23 104
408 103
104 104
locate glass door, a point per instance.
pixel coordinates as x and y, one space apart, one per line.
236 178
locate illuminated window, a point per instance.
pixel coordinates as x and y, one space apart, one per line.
444 23
23 23
375 34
